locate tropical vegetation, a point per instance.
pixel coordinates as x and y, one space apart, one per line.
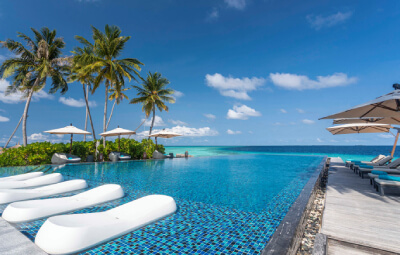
40 153
37 60
153 93
32 64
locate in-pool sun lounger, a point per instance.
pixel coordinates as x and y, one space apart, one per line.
68 234
34 182
13 195
37 209
21 177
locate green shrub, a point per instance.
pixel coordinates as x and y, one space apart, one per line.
41 153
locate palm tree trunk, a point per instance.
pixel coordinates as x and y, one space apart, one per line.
152 122
25 116
88 111
112 111
87 106
105 115
9 139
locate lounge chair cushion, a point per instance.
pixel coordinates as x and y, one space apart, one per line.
389 178
366 166
379 172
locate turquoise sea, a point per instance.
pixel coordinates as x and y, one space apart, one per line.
344 152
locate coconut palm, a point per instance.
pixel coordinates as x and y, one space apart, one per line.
116 94
33 64
107 47
85 77
153 94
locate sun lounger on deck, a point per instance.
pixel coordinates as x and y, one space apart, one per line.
13 195
21 177
364 169
380 162
387 184
67 234
374 160
117 156
37 209
34 182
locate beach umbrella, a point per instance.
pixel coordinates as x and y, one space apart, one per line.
164 134
68 130
391 120
118 132
357 128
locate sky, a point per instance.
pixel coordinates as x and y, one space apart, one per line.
245 72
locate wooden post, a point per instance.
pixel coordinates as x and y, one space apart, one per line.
395 143
119 143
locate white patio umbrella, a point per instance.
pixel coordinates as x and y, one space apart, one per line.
359 128
164 134
391 120
68 130
118 132
384 106
364 128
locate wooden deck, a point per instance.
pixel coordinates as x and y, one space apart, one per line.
356 214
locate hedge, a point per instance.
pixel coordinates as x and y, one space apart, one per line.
40 153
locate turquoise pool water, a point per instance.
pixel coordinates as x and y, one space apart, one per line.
227 203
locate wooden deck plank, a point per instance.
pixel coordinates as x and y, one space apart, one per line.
355 213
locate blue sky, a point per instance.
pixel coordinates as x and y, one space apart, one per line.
247 72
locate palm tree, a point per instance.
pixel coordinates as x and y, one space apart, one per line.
117 94
33 64
85 77
107 47
153 94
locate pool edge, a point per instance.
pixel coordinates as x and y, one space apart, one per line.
287 237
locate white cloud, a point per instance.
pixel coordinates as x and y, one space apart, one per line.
234 87
4 119
242 112
333 141
177 122
186 131
38 137
210 116
158 122
212 15
237 4
386 136
278 124
302 82
300 110
308 122
231 132
2 110
16 97
320 21
320 140
76 103
177 94
283 111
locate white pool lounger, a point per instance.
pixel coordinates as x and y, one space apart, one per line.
34 182
37 209
68 234
21 177
14 195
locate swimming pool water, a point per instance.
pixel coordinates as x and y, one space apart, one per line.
225 204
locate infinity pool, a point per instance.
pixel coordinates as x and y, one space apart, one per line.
225 204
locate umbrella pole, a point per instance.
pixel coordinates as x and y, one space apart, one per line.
119 143
156 141
395 143
70 146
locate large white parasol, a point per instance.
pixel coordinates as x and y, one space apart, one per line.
391 120
68 130
118 132
164 134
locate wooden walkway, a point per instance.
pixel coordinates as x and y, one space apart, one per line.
355 215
